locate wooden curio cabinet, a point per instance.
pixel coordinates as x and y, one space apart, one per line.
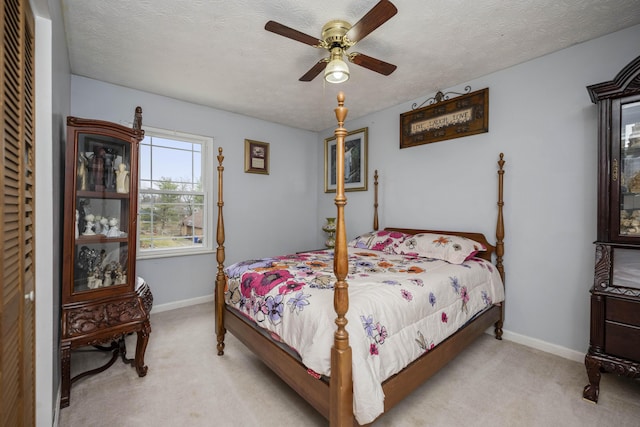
615 296
102 298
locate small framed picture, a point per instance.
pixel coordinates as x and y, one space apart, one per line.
256 157
355 162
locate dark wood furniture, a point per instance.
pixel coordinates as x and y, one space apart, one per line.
101 301
615 295
333 398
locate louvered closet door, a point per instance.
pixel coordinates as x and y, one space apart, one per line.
17 309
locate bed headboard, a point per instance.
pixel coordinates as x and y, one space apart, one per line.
498 248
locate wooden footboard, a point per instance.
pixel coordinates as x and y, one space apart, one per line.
288 368
334 399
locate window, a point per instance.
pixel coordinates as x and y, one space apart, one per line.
174 214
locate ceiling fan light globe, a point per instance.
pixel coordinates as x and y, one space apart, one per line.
337 77
336 71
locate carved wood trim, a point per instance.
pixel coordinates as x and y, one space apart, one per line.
96 318
596 363
626 81
615 365
146 297
602 278
602 274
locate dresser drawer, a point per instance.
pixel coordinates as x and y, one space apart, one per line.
622 340
623 311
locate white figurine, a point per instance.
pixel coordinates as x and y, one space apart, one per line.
104 222
96 224
83 174
113 228
77 218
88 231
93 282
107 277
122 179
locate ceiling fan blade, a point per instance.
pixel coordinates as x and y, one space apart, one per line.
378 15
285 31
314 71
372 63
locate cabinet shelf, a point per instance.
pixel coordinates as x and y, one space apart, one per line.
632 151
102 195
83 240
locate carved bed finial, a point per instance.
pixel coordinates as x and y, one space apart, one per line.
137 123
137 118
375 200
341 110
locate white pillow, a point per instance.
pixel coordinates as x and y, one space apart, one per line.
453 249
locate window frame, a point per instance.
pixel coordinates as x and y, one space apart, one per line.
206 159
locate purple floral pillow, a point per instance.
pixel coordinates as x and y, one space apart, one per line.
453 249
383 241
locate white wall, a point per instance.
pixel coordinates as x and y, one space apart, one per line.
52 106
264 214
541 117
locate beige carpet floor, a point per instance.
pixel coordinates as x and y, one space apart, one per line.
493 383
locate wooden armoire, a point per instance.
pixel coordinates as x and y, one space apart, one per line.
614 344
17 246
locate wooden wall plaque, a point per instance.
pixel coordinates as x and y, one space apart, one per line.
454 118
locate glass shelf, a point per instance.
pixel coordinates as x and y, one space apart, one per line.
629 187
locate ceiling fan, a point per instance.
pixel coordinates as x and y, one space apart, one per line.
337 37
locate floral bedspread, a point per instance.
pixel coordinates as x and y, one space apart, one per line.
399 307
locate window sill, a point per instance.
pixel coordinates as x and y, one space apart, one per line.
173 253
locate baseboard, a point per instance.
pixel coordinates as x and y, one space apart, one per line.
547 347
183 303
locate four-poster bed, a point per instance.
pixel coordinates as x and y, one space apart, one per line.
426 324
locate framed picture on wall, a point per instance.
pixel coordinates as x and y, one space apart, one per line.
355 162
256 157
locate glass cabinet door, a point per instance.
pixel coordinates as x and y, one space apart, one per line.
629 175
102 209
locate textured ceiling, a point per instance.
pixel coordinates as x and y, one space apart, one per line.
217 53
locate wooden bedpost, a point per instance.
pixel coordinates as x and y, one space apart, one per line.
341 382
375 200
220 276
500 239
